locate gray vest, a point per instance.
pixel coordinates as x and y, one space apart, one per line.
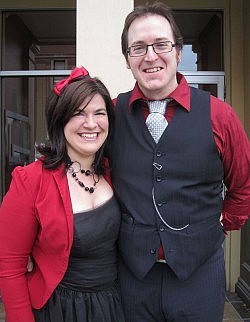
170 192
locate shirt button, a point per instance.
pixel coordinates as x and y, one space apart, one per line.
152 251
159 204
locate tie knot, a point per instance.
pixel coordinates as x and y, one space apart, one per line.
158 106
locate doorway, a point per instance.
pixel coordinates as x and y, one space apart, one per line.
37 48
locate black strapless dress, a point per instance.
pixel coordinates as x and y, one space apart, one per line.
88 291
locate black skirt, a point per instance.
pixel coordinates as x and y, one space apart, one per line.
72 306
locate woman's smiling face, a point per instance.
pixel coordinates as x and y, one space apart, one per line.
87 129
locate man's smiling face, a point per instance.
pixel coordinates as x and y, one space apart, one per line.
155 73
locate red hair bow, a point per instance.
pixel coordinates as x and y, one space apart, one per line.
77 72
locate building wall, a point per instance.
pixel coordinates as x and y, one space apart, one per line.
37 4
99 28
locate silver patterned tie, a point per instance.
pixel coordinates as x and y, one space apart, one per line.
156 121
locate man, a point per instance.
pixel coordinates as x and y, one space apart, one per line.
170 188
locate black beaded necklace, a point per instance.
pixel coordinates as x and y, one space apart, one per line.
75 167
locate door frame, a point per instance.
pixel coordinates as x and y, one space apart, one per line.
3 148
207 77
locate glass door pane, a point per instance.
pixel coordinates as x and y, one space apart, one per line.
214 82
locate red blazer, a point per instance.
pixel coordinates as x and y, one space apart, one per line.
35 218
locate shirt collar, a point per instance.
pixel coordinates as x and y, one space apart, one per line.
181 94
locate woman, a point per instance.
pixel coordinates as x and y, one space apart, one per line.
60 210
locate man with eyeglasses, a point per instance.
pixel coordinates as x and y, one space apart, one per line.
168 172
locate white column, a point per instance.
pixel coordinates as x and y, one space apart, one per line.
98 36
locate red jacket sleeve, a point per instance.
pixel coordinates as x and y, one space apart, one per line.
18 228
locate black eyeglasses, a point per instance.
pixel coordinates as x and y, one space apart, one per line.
158 47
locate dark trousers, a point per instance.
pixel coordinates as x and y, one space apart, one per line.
161 297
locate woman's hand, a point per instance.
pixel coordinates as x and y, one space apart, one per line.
30 265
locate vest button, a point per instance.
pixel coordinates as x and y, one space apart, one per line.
158 178
162 228
152 251
158 154
159 204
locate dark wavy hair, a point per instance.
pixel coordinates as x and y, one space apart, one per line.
155 8
60 109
